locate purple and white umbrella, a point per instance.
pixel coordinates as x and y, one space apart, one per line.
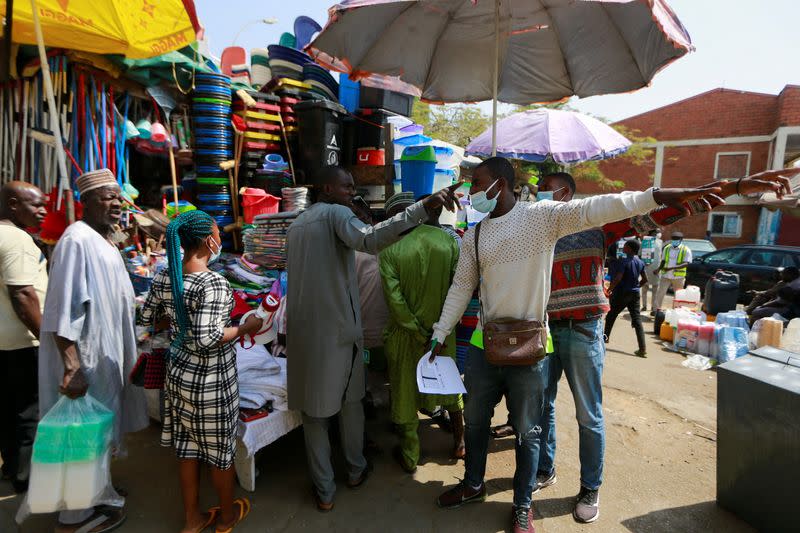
563 136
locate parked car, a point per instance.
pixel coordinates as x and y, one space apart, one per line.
699 247
758 266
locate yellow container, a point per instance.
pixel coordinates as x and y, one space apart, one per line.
667 333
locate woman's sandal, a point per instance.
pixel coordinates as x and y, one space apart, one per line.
244 510
212 514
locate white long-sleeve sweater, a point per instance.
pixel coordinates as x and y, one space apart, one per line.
516 254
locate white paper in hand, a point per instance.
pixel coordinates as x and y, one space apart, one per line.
439 377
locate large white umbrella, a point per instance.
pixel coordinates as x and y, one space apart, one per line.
514 51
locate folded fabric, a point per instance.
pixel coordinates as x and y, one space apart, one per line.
255 361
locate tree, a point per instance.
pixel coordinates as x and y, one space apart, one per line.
421 113
457 124
638 154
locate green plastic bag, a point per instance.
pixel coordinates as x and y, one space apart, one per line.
71 462
73 430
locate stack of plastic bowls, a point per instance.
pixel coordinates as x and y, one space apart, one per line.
285 62
213 137
322 83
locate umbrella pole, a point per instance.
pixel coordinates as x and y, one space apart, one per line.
55 125
495 75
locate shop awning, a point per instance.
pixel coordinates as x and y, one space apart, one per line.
133 29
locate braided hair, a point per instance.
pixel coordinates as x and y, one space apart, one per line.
187 231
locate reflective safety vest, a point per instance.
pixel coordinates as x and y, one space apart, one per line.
681 272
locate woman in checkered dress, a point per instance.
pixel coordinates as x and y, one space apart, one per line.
201 389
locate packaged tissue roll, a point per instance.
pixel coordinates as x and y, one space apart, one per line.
71 459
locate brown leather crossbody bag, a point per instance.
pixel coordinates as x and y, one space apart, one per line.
509 341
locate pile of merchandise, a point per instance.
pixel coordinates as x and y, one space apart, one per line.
265 240
262 135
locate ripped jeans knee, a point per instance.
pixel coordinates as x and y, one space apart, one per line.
532 433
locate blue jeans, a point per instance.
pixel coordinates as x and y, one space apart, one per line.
579 353
524 387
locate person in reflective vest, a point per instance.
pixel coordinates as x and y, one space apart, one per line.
675 257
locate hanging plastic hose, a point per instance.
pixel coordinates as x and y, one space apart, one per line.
102 129
122 138
75 129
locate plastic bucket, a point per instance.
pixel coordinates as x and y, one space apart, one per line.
417 177
257 202
418 169
183 207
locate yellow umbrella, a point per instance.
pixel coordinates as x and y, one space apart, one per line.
136 29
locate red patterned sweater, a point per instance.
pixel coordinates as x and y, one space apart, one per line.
576 284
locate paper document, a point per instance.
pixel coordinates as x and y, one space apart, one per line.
439 377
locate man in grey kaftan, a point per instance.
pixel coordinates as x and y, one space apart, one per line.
324 333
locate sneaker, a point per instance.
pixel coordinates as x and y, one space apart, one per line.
640 353
461 494
545 480
587 508
523 520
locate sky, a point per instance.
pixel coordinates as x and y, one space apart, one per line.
751 46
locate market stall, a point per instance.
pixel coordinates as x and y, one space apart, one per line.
240 141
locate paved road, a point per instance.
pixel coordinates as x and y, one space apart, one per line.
660 469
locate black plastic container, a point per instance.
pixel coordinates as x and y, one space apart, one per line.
320 125
370 127
722 292
659 319
349 133
372 98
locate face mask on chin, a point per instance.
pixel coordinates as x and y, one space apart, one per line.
481 202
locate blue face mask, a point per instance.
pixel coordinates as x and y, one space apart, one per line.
547 195
482 203
676 242
214 255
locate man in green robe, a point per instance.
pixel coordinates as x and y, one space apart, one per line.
416 274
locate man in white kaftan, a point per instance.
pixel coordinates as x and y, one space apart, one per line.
88 340
91 302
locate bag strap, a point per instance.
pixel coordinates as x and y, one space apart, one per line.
478 264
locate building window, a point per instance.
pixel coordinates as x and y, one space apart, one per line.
725 224
732 165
